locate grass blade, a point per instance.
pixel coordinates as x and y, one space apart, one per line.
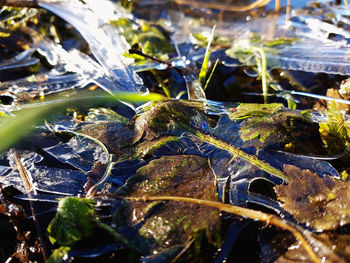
12 129
211 74
203 72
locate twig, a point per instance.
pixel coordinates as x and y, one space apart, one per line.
288 11
277 5
189 243
28 185
25 176
226 7
241 211
19 3
140 53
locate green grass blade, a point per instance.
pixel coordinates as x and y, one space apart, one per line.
12 129
203 72
262 65
211 74
138 97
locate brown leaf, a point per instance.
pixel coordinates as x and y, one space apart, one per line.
335 248
114 135
173 223
166 116
323 203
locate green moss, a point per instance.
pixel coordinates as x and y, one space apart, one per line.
121 22
335 132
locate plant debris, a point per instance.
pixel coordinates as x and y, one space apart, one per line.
321 202
143 134
166 225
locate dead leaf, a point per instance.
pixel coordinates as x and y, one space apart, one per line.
165 225
114 135
166 116
323 203
338 246
270 122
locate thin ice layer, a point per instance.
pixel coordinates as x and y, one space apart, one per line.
105 43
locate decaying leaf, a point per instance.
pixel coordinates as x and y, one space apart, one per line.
336 244
280 125
343 92
114 135
265 121
247 110
323 203
146 148
336 93
122 137
168 116
165 225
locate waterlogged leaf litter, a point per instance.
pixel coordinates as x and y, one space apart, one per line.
267 120
322 203
254 110
202 149
170 117
166 225
114 135
331 243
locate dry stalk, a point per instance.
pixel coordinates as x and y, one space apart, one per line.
226 7
28 185
19 3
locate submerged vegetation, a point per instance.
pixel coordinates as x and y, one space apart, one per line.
175 131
